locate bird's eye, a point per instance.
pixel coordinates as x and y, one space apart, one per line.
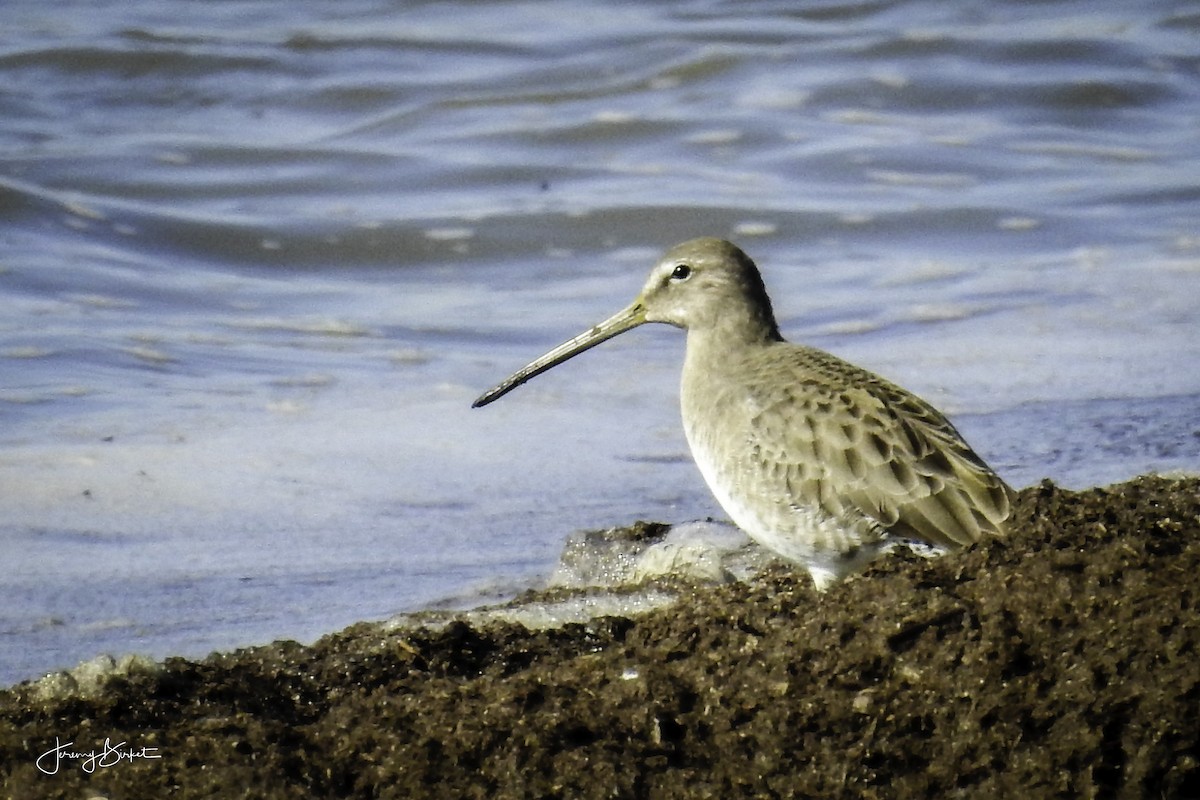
681 272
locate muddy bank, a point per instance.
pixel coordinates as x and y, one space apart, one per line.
1061 662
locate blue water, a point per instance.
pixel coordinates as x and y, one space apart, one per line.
258 257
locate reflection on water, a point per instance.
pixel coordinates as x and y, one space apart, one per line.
259 257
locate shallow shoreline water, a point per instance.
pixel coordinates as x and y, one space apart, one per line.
1057 661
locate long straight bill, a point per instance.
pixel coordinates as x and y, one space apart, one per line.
618 323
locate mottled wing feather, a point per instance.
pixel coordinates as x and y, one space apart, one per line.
859 445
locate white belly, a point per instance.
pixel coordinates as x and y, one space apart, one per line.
793 527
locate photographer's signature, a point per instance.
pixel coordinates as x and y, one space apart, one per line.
91 760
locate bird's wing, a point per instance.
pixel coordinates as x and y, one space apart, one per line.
865 446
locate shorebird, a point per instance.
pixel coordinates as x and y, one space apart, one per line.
823 462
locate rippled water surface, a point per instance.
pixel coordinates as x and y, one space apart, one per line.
257 258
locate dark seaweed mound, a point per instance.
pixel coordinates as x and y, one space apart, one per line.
1063 661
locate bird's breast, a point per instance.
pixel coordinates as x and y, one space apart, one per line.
771 491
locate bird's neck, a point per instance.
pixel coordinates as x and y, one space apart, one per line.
711 348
